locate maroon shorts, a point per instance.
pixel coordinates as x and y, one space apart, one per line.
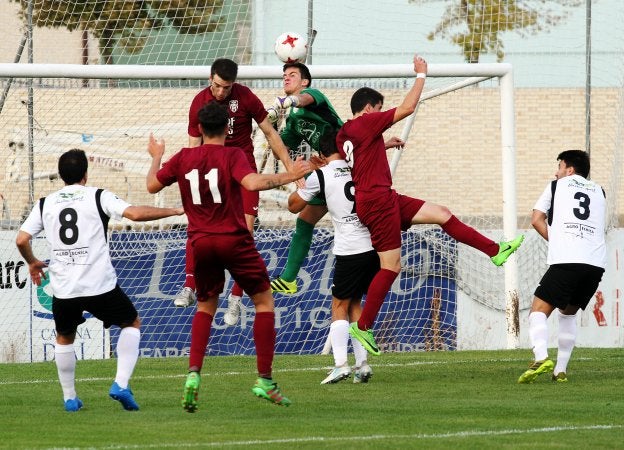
235 253
251 199
385 216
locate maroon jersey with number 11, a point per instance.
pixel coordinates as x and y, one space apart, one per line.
209 179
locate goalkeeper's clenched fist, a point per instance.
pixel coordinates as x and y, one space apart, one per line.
281 103
286 102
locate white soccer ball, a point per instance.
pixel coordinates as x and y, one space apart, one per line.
291 47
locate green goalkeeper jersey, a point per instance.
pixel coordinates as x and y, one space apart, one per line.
305 126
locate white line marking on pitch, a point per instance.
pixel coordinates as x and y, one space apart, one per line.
363 438
301 369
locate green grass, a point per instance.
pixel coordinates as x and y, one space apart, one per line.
423 400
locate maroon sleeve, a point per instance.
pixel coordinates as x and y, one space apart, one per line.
193 124
167 173
377 122
256 108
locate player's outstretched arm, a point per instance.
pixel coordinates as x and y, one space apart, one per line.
294 100
408 106
263 182
143 213
156 149
275 142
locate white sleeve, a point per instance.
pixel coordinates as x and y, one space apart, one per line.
311 188
33 224
112 205
545 201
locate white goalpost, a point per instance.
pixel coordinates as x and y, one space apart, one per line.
112 121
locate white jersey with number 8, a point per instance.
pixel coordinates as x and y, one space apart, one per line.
75 225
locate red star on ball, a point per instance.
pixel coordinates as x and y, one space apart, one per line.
290 40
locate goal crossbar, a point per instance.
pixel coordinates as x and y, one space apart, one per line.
473 73
163 72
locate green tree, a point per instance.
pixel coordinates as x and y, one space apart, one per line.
126 23
476 25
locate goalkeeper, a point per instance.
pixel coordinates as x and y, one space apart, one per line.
309 115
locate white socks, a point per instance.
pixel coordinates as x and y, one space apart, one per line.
65 358
567 339
339 335
127 355
359 352
538 335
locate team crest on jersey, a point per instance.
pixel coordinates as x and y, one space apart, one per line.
234 105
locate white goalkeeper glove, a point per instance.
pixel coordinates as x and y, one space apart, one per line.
286 102
273 115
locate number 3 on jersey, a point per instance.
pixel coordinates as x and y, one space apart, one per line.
213 183
582 212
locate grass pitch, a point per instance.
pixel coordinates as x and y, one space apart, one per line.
414 400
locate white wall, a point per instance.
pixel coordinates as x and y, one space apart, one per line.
482 328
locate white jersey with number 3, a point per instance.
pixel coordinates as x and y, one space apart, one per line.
351 236
576 221
80 263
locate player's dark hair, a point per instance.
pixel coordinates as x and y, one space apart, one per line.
578 159
73 165
303 70
365 96
213 119
225 68
327 143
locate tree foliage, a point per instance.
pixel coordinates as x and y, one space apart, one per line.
125 22
476 25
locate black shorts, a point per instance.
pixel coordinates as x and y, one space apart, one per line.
569 284
353 274
112 308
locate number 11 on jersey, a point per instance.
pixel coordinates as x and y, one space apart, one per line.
213 183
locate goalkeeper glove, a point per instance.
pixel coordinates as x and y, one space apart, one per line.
273 115
286 102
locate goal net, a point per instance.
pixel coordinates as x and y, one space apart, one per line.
112 122
460 152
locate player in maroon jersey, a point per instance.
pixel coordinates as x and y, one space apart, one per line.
382 209
210 178
243 108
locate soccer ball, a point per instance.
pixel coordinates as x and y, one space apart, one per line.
290 47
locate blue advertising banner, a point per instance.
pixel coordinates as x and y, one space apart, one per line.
419 313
